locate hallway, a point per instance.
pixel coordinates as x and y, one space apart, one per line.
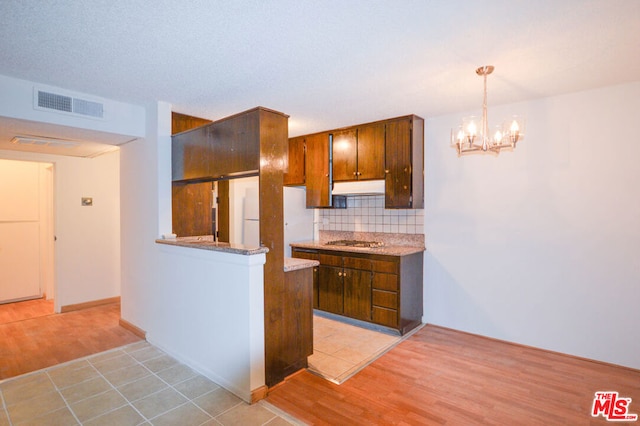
34 338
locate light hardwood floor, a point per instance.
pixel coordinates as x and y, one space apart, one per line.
33 338
437 376
441 376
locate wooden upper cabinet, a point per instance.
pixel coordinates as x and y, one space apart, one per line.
235 144
391 149
371 143
230 146
183 122
296 160
345 155
404 163
317 170
358 153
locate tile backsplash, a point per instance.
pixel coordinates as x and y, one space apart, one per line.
367 214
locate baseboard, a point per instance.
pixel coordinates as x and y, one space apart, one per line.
580 358
92 304
132 328
258 394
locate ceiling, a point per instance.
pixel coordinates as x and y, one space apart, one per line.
326 64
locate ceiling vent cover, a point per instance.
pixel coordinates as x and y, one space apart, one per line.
53 101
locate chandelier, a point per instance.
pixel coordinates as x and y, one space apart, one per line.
473 134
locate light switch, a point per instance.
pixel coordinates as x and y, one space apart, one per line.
87 201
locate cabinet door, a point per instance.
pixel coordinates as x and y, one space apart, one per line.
330 289
191 207
398 164
191 155
371 151
357 293
317 171
236 145
298 317
295 161
345 155
312 255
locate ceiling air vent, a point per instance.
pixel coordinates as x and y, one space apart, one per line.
53 101
43 141
68 104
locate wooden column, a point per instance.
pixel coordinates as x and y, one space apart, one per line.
273 150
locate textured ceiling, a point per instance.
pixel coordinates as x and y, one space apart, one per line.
325 63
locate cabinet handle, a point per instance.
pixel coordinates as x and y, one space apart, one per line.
355 174
386 171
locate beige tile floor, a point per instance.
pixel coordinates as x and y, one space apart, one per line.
133 385
340 349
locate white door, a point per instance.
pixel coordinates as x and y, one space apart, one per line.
19 261
19 230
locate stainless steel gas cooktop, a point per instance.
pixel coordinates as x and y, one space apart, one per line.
356 243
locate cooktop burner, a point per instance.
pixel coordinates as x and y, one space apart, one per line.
356 243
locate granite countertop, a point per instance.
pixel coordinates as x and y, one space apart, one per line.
205 242
394 244
293 264
387 250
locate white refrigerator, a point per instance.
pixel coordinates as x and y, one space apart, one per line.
251 218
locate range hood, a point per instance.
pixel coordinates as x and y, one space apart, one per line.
363 187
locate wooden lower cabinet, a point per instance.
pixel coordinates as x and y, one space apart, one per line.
311 255
298 320
381 289
357 294
330 289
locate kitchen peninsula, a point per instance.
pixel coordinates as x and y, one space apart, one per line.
249 144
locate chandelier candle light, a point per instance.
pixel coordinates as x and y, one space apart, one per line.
469 138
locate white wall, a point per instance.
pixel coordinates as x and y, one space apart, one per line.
204 308
298 220
87 250
120 118
540 246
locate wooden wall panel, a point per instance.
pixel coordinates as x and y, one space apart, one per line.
191 209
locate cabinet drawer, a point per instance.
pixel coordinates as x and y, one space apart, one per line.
385 266
299 254
330 260
384 316
385 299
357 263
387 282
